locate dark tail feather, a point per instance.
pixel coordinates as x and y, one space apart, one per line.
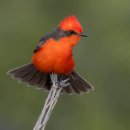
31 76
79 84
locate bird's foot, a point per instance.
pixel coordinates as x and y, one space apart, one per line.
56 82
64 83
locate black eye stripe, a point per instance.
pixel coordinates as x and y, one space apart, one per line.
57 34
72 32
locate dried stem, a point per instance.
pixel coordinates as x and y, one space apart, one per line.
50 102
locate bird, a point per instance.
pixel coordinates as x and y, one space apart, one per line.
53 54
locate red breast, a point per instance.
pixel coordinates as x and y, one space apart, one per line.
54 56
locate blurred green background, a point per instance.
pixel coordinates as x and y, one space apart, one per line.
103 59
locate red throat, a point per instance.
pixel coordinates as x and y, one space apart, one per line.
71 23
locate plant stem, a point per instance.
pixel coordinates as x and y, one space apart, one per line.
49 104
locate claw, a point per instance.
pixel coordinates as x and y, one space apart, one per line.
55 82
64 83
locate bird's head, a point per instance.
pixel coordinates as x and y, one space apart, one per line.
72 26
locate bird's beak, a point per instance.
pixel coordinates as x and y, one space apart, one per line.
83 35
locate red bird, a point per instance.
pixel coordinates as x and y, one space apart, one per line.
53 54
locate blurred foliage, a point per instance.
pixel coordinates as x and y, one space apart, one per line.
103 59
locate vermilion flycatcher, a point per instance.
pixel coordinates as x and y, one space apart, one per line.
53 54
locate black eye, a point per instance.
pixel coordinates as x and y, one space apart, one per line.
72 32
